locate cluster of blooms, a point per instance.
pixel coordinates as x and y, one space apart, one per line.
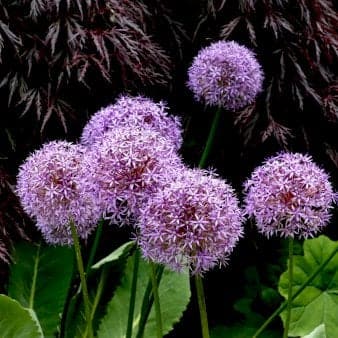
51 192
133 112
290 196
225 74
126 172
127 166
106 175
195 221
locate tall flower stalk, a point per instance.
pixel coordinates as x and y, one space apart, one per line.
226 75
292 197
158 314
202 307
211 138
289 306
132 299
51 191
84 287
137 138
194 223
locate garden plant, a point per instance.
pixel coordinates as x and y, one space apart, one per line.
168 169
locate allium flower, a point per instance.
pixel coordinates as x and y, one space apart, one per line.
50 191
133 112
290 196
126 167
193 222
225 74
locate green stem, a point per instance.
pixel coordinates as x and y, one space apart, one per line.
94 246
202 306
156 301
289 301
129 331
283 306
148 300
198 279
99 291
35 273
82 276
210 140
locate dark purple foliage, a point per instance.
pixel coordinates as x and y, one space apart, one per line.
51 50
12 217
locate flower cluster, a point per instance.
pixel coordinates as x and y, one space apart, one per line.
127 166
225 74
50 191
133 112
289 195
193 222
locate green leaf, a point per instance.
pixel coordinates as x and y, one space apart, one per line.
318 302
174 292
318 332
115 255
40 279
75 322
16 321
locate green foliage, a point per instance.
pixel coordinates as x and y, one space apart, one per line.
256 292
40 280
17 321
318 332
318 303
257 296
174 292
75 322
115 256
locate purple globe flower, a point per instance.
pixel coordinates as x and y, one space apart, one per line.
193 222
133 112
127 166
49 188
225 74
290 196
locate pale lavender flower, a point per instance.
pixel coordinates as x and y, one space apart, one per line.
49 188
289 195
127 166
194 222
225 74
133 112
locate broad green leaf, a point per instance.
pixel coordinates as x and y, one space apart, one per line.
174 292
40 279
318 303
115 255
16 321
318 332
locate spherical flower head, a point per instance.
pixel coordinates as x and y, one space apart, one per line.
225 74
133 112
50 192
193 222
127 166
290 196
